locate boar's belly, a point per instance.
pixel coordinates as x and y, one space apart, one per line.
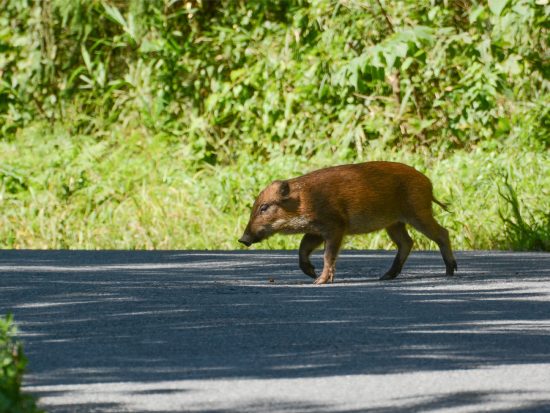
363 224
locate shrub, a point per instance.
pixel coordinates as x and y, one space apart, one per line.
12 367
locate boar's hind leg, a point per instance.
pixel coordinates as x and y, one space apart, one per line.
426 224
398 234
307 246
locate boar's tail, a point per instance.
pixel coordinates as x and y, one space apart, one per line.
441 204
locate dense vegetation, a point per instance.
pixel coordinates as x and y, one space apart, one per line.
153 124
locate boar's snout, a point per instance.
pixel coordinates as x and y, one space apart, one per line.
247 240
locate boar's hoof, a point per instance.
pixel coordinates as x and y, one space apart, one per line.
451 268
323 280
308 269
389 276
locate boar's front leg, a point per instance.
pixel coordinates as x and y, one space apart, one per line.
307 246
332 247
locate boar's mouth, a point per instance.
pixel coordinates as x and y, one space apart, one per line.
245 242
248 240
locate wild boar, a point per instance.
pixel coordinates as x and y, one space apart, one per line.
330 203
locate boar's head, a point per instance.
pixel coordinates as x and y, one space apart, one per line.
274 211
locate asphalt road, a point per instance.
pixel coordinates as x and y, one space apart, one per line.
114 331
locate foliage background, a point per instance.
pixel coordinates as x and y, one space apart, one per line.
153 124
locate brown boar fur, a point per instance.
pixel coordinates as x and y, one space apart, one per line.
330 203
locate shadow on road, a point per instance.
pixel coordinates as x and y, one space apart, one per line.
92 317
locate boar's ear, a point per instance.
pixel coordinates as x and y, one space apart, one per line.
284 189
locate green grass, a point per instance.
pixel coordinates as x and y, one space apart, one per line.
520 233
130 190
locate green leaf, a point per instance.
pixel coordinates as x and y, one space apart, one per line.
114 14
87 60
496 6
404 101
475 13
406 63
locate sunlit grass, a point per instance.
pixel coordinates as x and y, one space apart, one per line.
129 190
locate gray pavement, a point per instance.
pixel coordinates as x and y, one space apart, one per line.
117 331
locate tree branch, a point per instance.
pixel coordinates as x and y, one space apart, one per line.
390 25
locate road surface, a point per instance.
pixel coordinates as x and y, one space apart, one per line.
117 331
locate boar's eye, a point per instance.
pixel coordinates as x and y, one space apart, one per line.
263 208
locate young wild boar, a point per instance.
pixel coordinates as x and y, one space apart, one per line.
330 203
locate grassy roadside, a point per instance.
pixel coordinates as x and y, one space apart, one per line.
129 190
